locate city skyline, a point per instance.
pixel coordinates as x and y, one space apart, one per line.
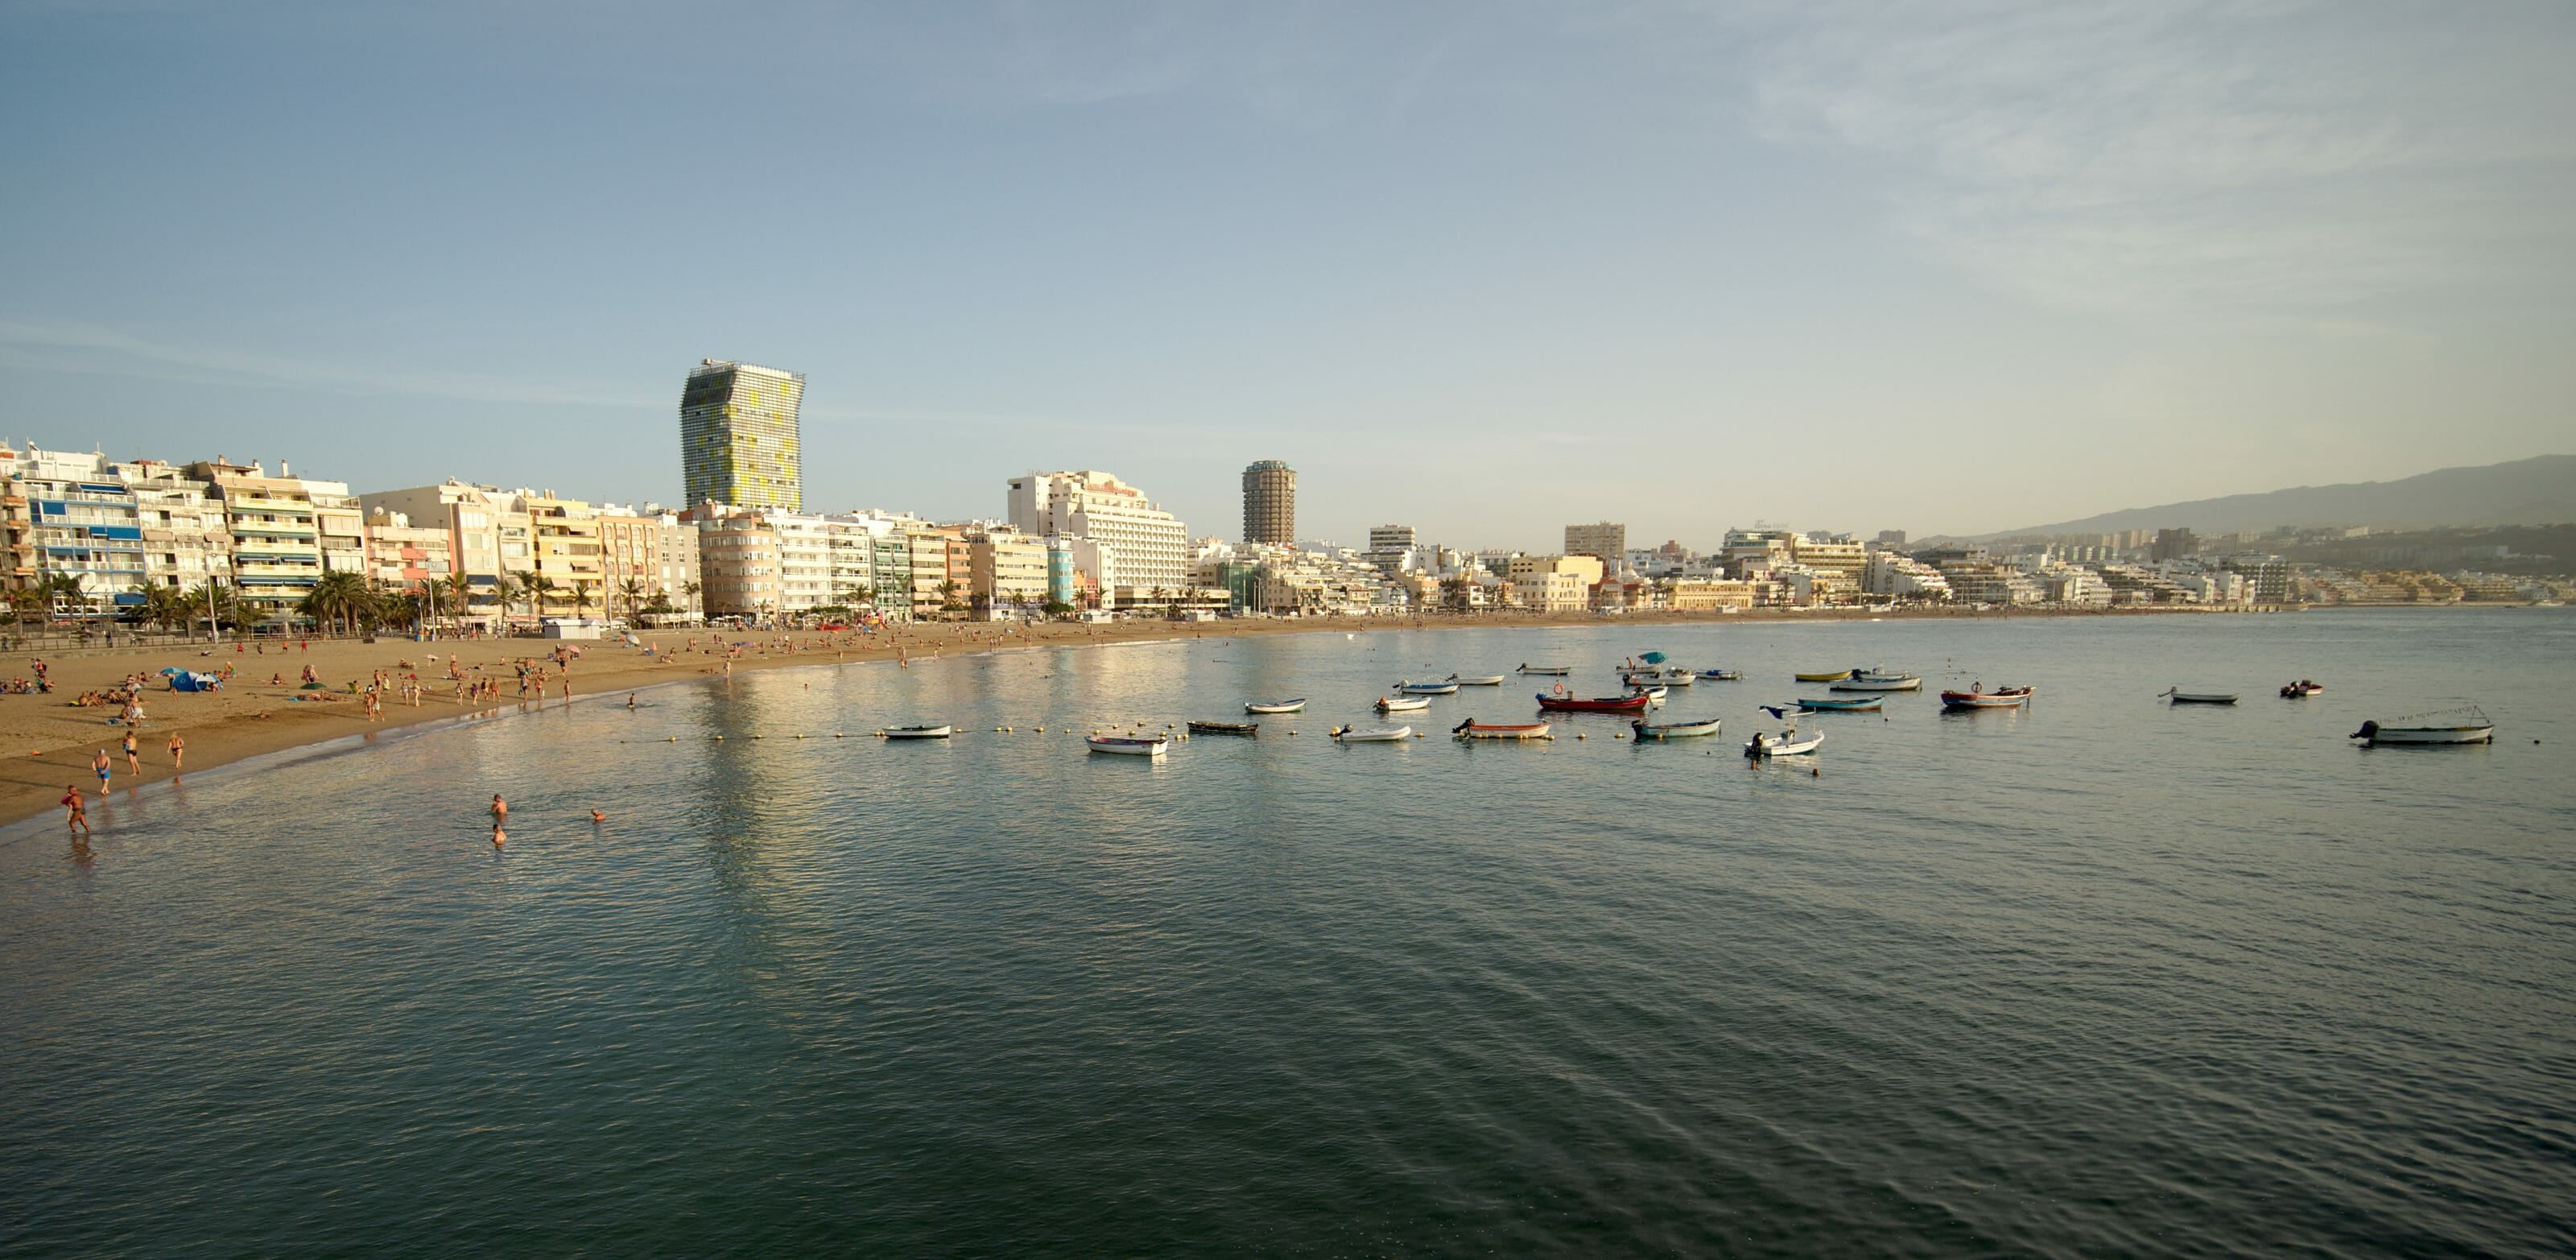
1431 257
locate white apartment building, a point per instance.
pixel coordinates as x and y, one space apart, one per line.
185 543
1892 575
1152 546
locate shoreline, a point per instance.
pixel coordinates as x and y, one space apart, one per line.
255 719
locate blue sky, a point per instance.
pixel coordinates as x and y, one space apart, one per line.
1484 268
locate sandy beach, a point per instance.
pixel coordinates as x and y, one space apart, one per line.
47 740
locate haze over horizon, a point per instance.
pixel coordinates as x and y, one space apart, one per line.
1483 269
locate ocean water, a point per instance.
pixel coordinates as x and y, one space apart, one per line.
2099 978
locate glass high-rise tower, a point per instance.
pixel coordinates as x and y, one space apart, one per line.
739 442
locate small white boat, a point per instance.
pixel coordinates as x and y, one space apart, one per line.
2180 696
1153 746
1788 743
1655 692
1873 681
1722 675
1487 680
1428 689
1373 735
1402 704
1547 669
2453 726
918 732
1675 730
1277 706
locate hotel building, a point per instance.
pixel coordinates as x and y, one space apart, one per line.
1150 547
740 443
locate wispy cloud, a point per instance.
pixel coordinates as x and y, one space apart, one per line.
2258 155
77 347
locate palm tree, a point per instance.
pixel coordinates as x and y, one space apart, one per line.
342 599
580 599
63 590
24 601
217 602
633 590
540 591
503 590
691 588
460 593
529 590
165 607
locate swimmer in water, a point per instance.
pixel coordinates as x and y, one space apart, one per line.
498 835
76 811
630 700
500 811
598 817
99 765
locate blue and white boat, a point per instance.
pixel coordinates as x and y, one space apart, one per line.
1428 689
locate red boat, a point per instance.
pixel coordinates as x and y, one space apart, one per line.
2005 698
1596 704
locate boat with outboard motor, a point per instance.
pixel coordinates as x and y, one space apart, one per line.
1722 675
1978 697
1789 742
1373 735
1473 729
1552 670
1403 704
1567 702
2465 725
1481 680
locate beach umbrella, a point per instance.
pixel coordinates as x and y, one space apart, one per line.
1651 658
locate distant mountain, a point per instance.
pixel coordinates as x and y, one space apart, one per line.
2538 491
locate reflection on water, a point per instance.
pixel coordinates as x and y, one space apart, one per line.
2098 977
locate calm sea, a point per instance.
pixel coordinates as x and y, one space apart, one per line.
2099 978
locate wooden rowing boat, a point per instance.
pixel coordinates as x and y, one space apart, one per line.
1676 730
1473 729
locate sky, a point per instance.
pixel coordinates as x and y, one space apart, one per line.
1484 268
